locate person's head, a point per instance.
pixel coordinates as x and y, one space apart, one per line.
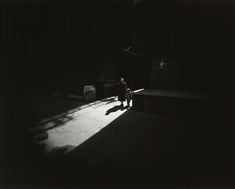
128 90
122 79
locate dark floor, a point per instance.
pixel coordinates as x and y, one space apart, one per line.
136 150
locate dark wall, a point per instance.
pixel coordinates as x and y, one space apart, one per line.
45 43
196 37
56 44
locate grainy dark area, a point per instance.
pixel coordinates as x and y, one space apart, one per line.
58 47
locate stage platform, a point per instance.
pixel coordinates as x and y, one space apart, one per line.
186 104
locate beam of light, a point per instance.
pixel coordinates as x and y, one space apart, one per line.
78 125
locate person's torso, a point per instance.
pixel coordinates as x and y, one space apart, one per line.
122 86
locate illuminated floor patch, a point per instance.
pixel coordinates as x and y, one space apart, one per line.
77 126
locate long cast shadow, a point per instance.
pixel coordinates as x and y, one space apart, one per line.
115 108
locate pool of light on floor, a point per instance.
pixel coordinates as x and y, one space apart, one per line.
77 126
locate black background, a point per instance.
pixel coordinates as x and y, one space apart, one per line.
47 43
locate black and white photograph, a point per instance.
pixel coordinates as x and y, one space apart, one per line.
117 94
